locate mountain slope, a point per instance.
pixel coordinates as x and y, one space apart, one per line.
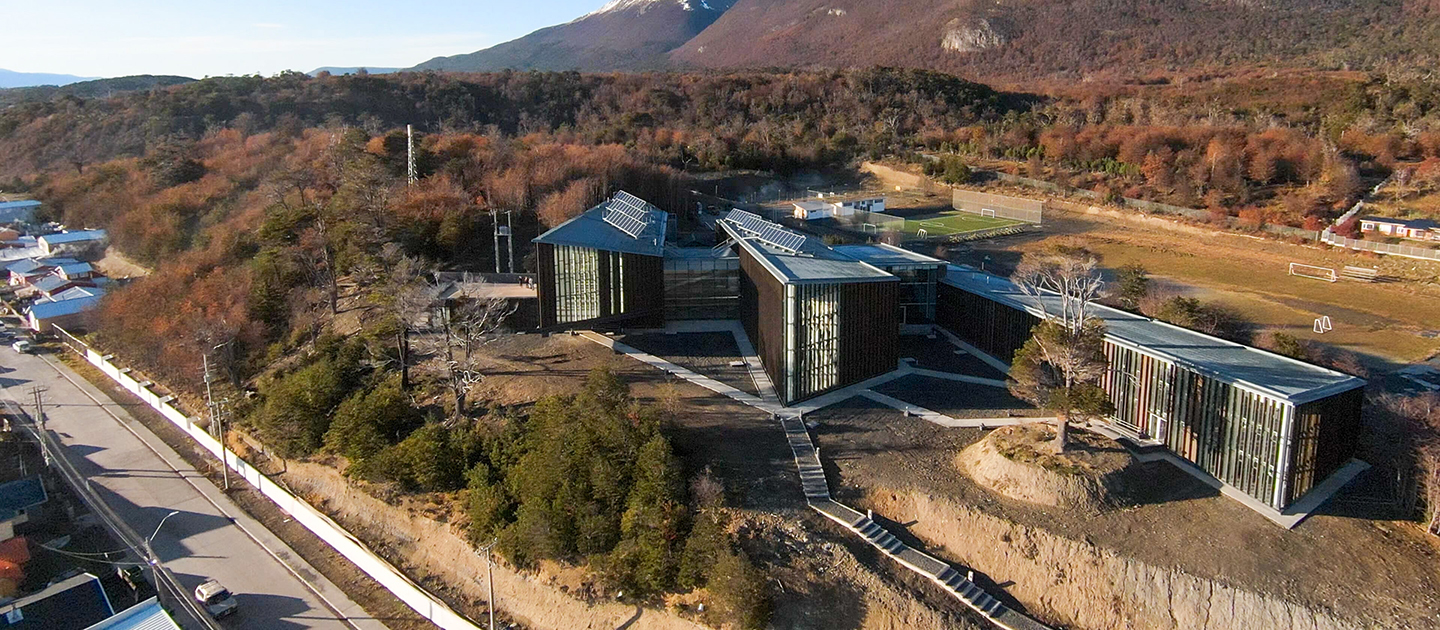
622 35
1071 39
12 79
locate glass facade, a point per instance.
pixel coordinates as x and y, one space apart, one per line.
814 333
702 288
577 283
917 294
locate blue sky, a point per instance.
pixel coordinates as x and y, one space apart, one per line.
199 38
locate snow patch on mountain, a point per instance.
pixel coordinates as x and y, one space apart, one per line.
644 5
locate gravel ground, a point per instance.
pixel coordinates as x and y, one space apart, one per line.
708 354
939 354
957 399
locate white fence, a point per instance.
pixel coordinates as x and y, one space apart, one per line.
1017 208
401 587
1393 249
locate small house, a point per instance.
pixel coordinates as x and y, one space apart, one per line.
64 242
1415 229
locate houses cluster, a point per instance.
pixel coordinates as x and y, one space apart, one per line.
1414 229
57 290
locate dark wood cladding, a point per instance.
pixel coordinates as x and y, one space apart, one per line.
994 328
869 330
762 313
1326 433
641 302
644 295
545 282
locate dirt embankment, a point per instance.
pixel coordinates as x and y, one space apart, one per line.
1016 462
1081 585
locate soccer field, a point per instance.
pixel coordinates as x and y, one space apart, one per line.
946 223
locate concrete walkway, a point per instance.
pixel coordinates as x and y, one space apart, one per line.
817 488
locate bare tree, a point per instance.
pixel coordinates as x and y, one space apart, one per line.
1061 366
475 318
402 301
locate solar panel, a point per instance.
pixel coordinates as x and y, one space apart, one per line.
625 223
782 238
767 232
628 213
631 205
740 217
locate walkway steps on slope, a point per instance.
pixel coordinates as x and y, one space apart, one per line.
817 489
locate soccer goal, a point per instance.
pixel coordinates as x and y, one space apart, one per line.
869 228
1313 272
1323 325
921 233
987 212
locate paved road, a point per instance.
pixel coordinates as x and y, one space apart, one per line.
142 480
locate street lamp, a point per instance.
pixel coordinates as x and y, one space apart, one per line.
150 551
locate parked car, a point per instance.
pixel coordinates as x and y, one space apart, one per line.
22 346
216 599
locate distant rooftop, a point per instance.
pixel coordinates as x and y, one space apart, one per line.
605 227
78 236
6 206
1271 374
794 258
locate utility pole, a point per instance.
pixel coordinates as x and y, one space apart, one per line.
37 394
510 239
490 578
216 427
410 155
495 223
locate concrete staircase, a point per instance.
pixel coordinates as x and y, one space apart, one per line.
817 494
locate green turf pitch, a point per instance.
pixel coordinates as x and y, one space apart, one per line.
954 223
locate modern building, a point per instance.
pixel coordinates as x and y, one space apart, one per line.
1267 425
820 320
1416 229
604 267
919 276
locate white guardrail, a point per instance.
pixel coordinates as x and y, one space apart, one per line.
420 600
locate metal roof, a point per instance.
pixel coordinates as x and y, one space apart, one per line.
592 230
888 256
816 264
1250 368
61 308
21 494
77 602
147 615
11 205
72 237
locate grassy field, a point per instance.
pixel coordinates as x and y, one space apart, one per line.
945 223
